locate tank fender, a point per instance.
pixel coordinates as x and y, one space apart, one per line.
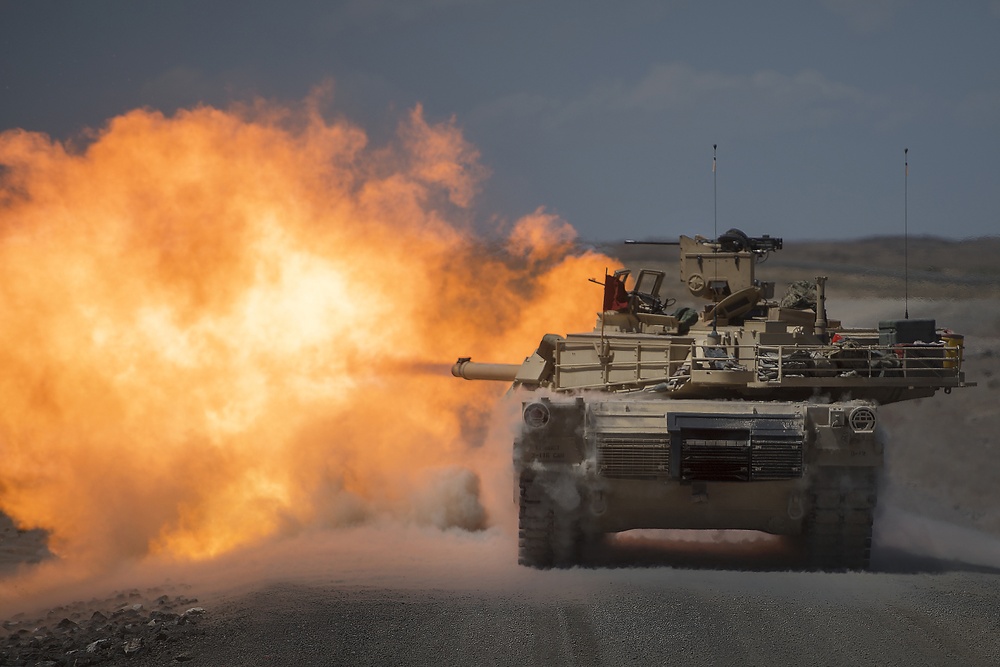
551 433
846 435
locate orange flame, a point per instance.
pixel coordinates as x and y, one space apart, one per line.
216 326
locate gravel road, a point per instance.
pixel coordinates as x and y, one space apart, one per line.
409 596
617 617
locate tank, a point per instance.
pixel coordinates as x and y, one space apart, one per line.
740 411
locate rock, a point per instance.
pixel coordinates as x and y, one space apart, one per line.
191 615
132 646
93 646
127 610
183 657
163 616
67 624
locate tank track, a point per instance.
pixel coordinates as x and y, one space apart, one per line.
838 530
547 536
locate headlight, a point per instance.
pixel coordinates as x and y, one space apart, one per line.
863 419
536 415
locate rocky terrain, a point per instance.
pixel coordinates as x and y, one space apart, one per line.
98 632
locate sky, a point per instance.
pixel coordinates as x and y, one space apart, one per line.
603 113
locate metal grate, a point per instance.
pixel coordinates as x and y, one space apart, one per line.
722 460
715 460
776 459
634 456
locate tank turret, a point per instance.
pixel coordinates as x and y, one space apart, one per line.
736 411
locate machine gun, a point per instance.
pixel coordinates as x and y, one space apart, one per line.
736 241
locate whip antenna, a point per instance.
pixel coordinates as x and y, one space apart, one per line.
906 236
715 215
715 191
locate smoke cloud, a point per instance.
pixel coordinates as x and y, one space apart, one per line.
226 325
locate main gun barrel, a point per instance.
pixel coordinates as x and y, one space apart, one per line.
471 370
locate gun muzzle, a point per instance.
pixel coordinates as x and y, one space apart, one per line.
470 370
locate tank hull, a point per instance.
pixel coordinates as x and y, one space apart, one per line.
619 505
592 464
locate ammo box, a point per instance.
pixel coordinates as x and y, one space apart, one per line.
894 332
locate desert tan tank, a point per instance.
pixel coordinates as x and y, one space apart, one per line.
743 413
